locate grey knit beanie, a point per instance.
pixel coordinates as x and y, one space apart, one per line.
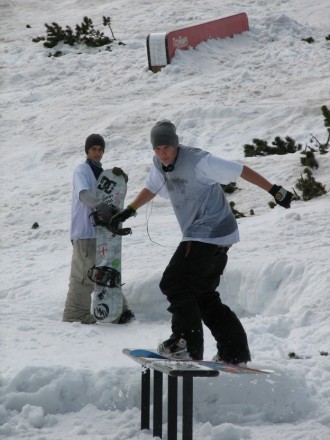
164 133
94 139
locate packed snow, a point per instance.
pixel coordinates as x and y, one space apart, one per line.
71 381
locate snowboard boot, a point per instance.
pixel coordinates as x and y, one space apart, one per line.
174 347
88 319
219 358
126 317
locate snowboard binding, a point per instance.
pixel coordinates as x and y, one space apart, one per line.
104 276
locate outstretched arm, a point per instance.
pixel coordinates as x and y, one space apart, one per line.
255 178
142 198
281 195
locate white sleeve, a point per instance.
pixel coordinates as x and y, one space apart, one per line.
156 182
219 170
89 199
80 179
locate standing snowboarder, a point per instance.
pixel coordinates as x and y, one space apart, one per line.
82 233
191 178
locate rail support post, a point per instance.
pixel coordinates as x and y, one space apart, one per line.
145 399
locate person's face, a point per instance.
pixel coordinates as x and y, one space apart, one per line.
166 154
95 153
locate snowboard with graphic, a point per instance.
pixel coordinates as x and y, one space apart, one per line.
107 298
150 354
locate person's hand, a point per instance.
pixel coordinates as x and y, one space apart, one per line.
282 196
122 216
119 172
105 212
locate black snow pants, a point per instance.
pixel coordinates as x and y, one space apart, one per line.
189 282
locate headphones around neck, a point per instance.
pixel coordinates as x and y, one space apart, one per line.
170 167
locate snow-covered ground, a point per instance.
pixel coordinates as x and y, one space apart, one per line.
70 381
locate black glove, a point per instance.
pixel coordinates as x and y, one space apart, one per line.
105 212
122 216
282 196
119 172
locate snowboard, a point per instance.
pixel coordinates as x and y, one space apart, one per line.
107 298
175 368
218 366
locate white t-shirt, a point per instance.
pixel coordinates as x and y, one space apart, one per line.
209 169
81 223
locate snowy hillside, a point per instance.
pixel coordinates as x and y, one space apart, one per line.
69 381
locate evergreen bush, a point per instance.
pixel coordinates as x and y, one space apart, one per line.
236 213
229 188
309 40
279 146
309 160
84 34
309 187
